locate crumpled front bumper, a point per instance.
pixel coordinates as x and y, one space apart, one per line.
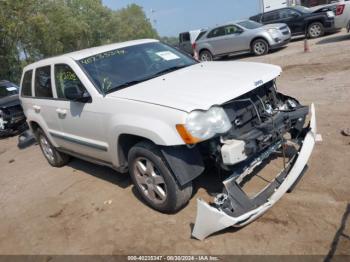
211 219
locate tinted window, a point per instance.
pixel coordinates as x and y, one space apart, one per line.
303 9
250 24
201 35
220 31
43 82
64 78
27 83
288 13
270 16
185 37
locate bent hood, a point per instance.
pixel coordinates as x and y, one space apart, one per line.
202 85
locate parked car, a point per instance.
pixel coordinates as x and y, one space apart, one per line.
241 36
342 13
12 119
187 40
144 107
300 20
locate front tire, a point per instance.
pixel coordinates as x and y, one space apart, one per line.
315 30
155 181
54 157
260 47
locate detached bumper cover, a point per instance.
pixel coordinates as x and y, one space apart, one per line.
211 219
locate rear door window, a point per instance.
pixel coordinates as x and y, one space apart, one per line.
43 87
220 31
27 84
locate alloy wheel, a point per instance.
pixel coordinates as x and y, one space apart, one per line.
315 30
149 180
259 48
47 149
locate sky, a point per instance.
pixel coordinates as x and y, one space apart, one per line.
171 17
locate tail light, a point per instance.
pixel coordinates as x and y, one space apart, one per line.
194 46
340 9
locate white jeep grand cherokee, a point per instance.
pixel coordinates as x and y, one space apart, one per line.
144 107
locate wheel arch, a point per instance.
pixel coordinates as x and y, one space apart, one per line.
205 49
257 38
124 143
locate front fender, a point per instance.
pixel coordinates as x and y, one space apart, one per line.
160 131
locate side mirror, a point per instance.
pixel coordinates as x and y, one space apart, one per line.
240 31
76 94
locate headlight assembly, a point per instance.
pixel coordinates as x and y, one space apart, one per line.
202 125
273 31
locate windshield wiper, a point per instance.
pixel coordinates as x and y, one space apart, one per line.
135 82
124 85
168 70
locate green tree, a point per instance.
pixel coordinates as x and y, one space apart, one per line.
34 29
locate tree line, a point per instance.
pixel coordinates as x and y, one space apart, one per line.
34 29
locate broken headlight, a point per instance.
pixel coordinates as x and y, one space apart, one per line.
206 124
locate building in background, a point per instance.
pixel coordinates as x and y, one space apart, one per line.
269 5
310 3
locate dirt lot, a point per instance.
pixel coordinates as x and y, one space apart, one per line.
64 211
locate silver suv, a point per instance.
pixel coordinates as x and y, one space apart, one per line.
242 36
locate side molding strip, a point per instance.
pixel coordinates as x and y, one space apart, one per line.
80 142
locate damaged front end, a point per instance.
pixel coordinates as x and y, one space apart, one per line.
264 122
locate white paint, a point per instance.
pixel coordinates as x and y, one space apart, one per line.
270 5
11 88
201 86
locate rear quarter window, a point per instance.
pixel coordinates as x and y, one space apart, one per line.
43 82
185 37
200 35
27 84
270 16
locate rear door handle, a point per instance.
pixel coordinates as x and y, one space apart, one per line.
61 112
36 108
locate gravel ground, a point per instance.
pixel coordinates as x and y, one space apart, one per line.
87 209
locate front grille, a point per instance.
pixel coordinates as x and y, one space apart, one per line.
14 111
283 27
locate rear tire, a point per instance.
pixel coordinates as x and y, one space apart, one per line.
54 157
205 55
315 30
155 181
260 47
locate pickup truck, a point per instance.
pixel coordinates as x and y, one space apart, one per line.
300 20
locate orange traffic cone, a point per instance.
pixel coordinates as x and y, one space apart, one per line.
306 45
196 55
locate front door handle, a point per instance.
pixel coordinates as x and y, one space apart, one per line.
36 108
61 112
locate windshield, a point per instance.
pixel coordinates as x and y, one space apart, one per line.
249 24
303 9
8 90
121 68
